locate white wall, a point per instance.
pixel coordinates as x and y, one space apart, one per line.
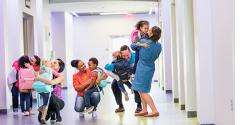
166 37
92 34
214 36
223 53
2 58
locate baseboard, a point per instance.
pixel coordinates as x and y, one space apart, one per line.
182 107
207 124
176 100
168 91
191 114
3 111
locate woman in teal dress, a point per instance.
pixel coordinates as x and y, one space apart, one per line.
145 70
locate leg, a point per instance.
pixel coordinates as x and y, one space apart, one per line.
121 86
45 97
148 99
95 99
138 101
27 98
15 95
117 93
79 104
22 99
31 100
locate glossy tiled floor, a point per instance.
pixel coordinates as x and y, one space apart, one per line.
169 112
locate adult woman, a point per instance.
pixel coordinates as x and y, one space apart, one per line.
145 71
81 80
56 103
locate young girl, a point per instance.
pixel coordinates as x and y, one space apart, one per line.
140 32
25 94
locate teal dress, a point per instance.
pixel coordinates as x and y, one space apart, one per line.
146 66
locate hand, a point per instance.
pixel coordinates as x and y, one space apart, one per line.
138 44
97 81
145 45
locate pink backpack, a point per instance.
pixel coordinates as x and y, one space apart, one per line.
26 78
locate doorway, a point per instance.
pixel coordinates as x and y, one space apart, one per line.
28 35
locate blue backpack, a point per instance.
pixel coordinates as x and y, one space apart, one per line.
103 83
41 87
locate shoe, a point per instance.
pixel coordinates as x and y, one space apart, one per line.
126 96
81 114
53 118
89 109
152 115
141 114
138 110
120 109
25 113
31 113
94 114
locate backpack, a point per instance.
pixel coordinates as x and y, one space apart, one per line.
103 83
41 87
26 78
122 69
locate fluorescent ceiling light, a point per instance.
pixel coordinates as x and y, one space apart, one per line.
115 13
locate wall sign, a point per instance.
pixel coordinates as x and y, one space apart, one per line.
27 3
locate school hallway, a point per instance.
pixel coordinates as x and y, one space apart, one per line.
193 82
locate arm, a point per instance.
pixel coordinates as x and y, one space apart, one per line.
79 87
55 81
92 80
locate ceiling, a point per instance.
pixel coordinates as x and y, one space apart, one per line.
107 6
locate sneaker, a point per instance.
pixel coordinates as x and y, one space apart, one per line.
126 96
89 109
25 113
53 118
94 114
81 114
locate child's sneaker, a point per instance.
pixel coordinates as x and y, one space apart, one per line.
81 114
126 96
25 113
89 109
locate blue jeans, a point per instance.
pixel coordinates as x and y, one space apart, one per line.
87 96
15 96
25 98
80 103
121 86
45 97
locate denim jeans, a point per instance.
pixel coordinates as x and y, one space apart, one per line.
45 97
121 86
25 98
80 103
87 96
15 96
